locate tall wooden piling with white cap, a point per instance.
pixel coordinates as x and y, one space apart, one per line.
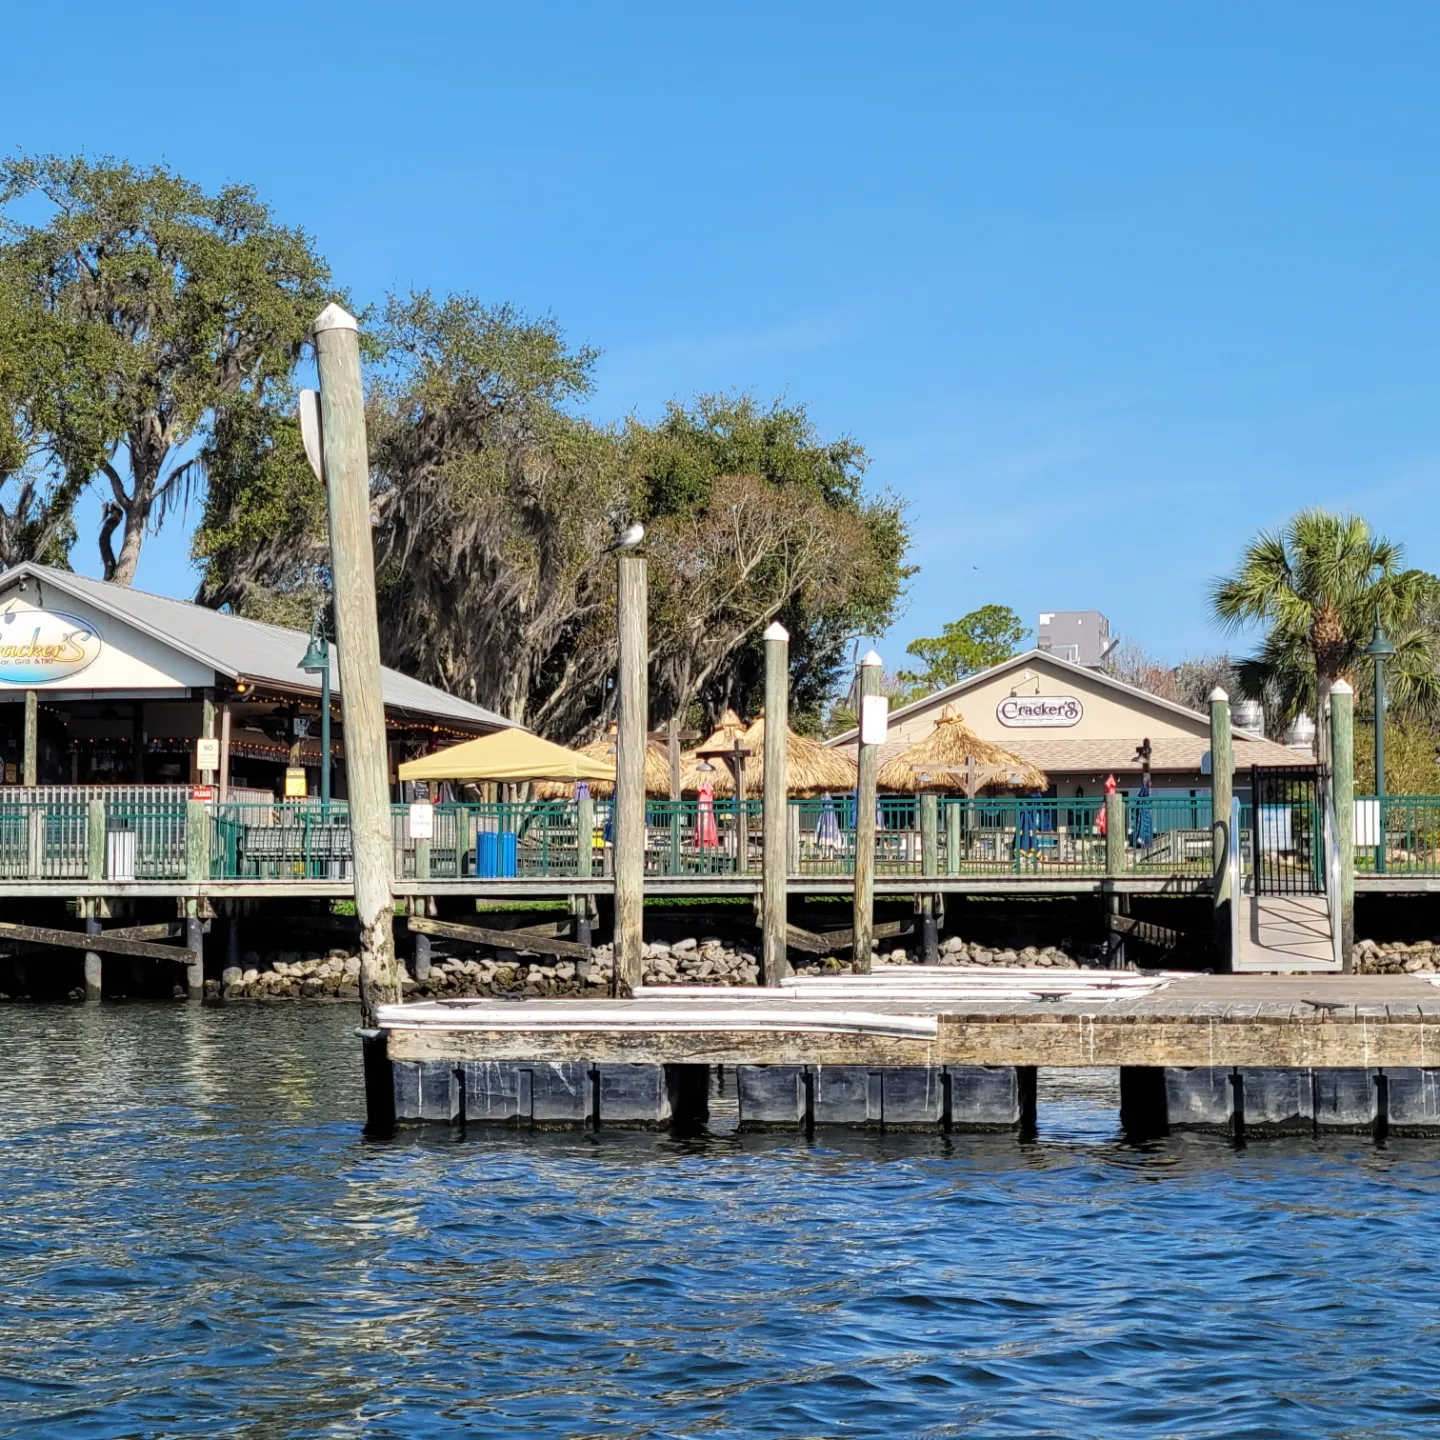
352 564
631 738
1222 791
872 707
773 911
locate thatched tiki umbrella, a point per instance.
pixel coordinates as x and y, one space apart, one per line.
657 772
954 757
707 762
814 768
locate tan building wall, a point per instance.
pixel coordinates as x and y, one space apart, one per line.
1107 715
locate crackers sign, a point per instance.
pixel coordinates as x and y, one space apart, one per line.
40 646
1039 711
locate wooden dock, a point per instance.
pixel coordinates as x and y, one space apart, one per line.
1191 1046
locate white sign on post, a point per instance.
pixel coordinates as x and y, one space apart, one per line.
422 822
874 719
1367 822
207 754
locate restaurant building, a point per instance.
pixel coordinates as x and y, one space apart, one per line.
104 685
1080 726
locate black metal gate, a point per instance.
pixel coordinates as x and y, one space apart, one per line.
1287 809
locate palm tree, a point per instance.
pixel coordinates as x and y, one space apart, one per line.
1320 584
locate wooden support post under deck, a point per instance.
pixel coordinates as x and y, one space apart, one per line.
1222 791
352 560
1342 787
868 768
631 737
775 964
195 942
30 762
929 866
93 970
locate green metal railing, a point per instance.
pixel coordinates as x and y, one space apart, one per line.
43 841
1168 834
1410 825
693 837
1023 836
285 840
492 841
145 840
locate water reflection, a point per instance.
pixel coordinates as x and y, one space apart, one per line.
197 1240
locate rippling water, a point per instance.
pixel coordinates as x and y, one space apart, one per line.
196 1240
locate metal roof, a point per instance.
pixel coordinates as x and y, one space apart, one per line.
239 648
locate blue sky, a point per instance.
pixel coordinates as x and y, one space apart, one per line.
1101 289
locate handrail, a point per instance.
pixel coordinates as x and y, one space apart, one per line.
1232 859
1332 877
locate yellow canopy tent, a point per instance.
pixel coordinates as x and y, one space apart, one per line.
507 755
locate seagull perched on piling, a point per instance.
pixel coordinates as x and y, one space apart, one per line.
628 538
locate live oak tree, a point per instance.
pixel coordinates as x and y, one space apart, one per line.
494 503
168 305
37 491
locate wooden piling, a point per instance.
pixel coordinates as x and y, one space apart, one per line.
929 867
1222 791
1342 789
1115 835
868 768
224 793
95 840
775 966
954 839
207 731
630 740
1114 869
352 563
30 760
93 969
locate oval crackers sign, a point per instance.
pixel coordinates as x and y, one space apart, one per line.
1019 711
38 647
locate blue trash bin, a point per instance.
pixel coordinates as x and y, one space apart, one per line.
495 854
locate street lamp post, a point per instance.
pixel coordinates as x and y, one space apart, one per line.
317 662
1380 650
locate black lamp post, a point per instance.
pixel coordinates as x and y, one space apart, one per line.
317 662
1380 650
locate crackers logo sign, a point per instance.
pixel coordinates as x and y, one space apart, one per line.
1039 710
41 646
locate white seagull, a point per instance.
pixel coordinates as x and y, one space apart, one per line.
628 538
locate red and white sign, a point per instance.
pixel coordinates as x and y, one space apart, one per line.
202 792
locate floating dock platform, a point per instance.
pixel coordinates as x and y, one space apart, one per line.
920 1048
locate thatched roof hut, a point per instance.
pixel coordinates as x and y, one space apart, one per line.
657 772
943 761
814 768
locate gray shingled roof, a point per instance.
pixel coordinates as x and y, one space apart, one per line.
237 647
